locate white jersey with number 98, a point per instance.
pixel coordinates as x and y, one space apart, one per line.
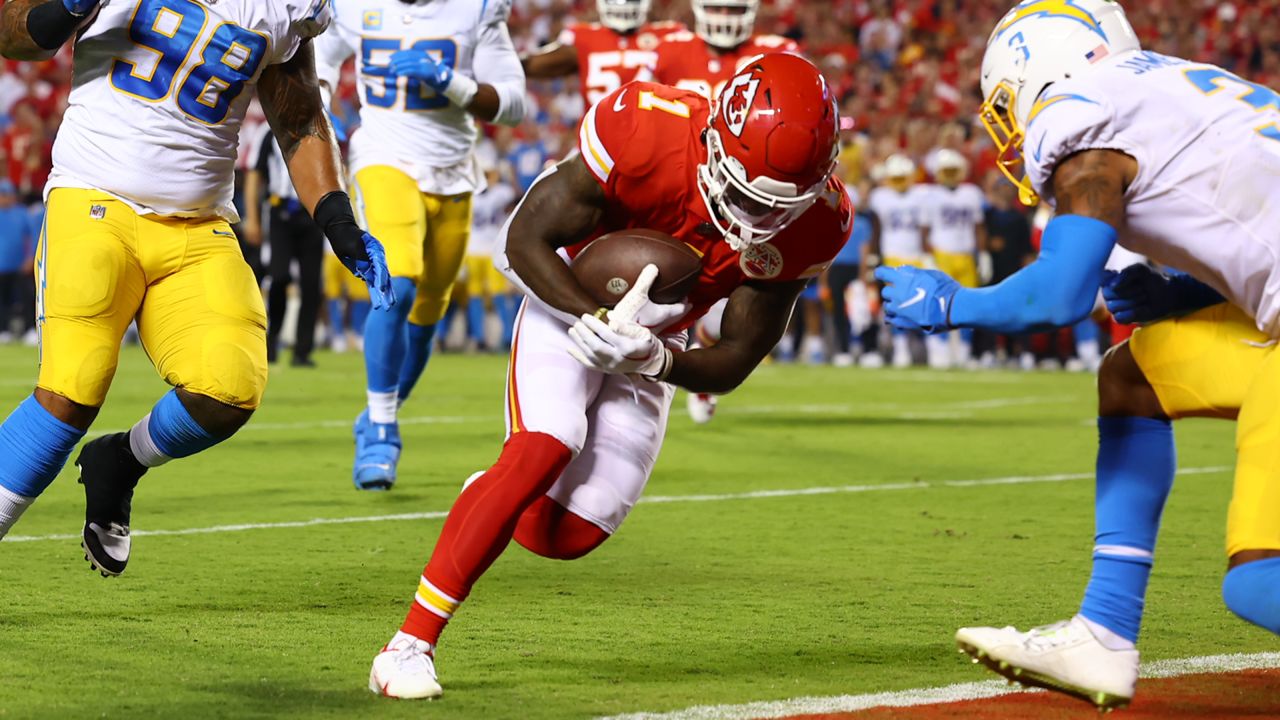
159 94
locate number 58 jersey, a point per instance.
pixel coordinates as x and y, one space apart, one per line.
159 93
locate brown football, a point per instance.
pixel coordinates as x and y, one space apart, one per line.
608 267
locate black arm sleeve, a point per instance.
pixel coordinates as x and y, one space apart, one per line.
51 25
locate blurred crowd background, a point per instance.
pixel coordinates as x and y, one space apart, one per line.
907 74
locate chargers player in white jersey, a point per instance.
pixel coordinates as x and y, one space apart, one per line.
900 204
139 206
957 232
1168 158
427 69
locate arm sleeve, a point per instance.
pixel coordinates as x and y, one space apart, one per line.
497 64
1056 290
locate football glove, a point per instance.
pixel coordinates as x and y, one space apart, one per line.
620 348
916 299
420 66
636 306
1139 294
359 251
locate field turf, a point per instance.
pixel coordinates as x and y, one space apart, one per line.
720 594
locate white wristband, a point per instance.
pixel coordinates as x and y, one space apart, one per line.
461 90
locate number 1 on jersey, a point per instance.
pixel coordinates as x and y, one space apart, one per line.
649 101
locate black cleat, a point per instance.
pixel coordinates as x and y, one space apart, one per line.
109 473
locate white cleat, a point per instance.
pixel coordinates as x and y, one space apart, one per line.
871 360
405 669
1064 657
702 407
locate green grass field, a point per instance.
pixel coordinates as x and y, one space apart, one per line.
722 600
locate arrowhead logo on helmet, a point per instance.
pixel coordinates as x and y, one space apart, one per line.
737 100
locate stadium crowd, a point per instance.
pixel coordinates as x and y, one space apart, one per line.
907 72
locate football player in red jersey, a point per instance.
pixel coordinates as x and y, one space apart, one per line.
747 184
723 39
605 55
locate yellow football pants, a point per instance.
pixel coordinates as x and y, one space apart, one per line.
425 235
483 279
199 309
1215 363
962 268
340 283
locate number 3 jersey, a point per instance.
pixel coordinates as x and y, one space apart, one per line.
403 122
159 93
1206 199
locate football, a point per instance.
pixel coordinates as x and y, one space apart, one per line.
608 266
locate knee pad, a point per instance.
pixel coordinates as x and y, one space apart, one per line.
1252 591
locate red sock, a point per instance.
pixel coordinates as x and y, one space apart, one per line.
480 525
549 529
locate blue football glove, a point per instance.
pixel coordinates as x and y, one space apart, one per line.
80 8
420 66
373 272
1139 294
916 299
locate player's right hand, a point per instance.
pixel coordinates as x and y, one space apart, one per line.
80 8
636 307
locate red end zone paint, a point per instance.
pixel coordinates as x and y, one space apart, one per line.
1244 695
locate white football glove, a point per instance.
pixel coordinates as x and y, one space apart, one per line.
636 306
619 348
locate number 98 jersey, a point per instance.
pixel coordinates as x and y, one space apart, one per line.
159 93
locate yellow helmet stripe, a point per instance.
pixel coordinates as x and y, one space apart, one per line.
1052 8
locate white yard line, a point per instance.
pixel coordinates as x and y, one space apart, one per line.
935 695
665 499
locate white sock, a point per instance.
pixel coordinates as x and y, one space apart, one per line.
901 345
402 638
382 406
12 505
1109 639
143 447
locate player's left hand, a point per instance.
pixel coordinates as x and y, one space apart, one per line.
916 299
623 349
419 65
370 265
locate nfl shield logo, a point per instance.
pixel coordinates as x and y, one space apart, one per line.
373 20
97 212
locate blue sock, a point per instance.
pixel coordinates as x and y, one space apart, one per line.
419 340
1136 463
360 315
384 338
1252 591
505 306
336 324
446 322
966 334
169 432
34 445
1086 330
475 320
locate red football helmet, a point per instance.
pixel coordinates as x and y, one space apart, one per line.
771 147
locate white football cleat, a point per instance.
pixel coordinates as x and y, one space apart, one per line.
1064 657
405 669
702 407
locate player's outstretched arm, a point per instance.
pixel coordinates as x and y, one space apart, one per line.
754 321
290 97
36 29
550 62
561 208
1056 290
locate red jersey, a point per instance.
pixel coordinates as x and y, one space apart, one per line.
643 144
686 61
607 59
